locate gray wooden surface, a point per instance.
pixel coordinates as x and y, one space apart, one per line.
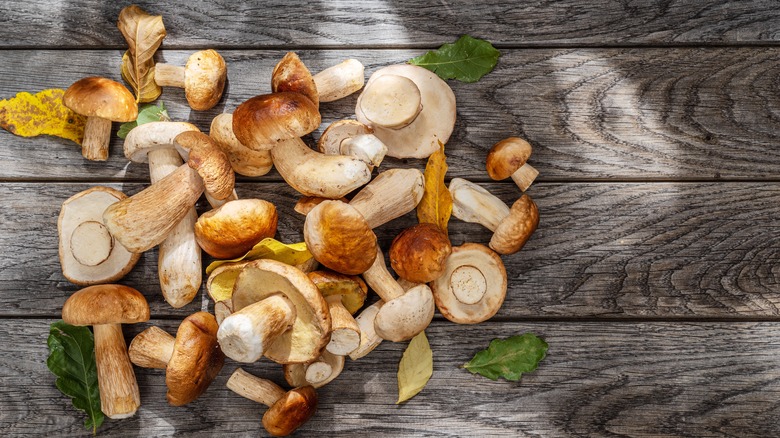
654 275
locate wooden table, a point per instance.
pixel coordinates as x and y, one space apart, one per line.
654 272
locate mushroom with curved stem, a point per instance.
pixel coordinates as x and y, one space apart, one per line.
404 313
419 253
203 78
508 158
511 227
245 161
317 374
350 137
369 340
345 295
106 307
234 228
288 410
191 360
103 101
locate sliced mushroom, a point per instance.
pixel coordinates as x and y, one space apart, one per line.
369 340
317 374
203 78
244 161
233 229
345 296
508 158
349 137
418 253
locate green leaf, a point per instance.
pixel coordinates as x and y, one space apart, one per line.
467 59
415 368
508 358
146 113
72 360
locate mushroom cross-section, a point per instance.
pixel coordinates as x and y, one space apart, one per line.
317 374
345 295
106 307
191 360
511 227
203 78
287 410
508 158
103 101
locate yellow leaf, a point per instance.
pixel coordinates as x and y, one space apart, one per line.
43 113
221 281
268 248
436 204
415 368
144 34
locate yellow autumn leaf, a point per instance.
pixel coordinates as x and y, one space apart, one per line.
268 248
415 368
144 34
42 113
436 204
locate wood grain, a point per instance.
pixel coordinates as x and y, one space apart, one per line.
661 250
591 114
200 23
598 379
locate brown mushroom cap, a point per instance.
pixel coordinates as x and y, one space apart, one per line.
262 121
105 304
512 232
234 228
291 411
204 79
419 252
506 156
330 140
353 289
210 162
290 74
100 97
196 360
340 238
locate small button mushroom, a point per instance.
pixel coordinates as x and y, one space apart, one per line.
103 101
244 161
473 285
288 410
106 307
317 374
390 106
508 158
345 295
418 253
277 312
203 78
233 229
349 137
511 227
369 340
88 253
191 360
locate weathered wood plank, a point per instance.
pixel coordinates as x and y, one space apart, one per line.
687 250
592 114
396 23
599 379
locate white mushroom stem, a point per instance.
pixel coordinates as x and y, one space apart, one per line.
340 80
167 75
245 334
152 348
390 195
366 147
97 136
390 101
119 394
216 203
472 203
369 340
524 176
254 388
381 281
345 334
322 371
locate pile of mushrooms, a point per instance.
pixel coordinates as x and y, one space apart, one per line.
307 317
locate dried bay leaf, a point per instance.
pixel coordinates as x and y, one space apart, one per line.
42 113
508 358
144 34
415 368
435 207
467 59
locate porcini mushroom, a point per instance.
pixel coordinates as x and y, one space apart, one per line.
345 295
306 203
233 229
203 78
340 80
419 252
244 161
88 253
410 109
277 312
404 313
287 410
106 307
103 101
317 374
349 137
508 158
369 340
263 121
511 227
191 360
473 285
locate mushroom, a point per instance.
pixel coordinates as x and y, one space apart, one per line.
345 296
221 187
306 203
348 137
369 340
178 257
103 101
106 307
317 374
404 313
290 74
511 227
233 229
145 219
340 80
277 312
287 410
508 158
88 253
410 109
473 285
244 161
203 78
191 360
419 252
263 121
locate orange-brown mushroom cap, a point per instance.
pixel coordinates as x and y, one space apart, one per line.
506 156
196 359
105 304
291 411
100 97
340 238
204 79
419 252
210 162
512 232
262 121
234 228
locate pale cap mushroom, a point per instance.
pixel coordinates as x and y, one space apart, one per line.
288 410
418 253
409 129
103 101
345 296
473 285
89 254
263 121
147 138
191 360
350 137
203 78
233 229
244 161
317 374
508 158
